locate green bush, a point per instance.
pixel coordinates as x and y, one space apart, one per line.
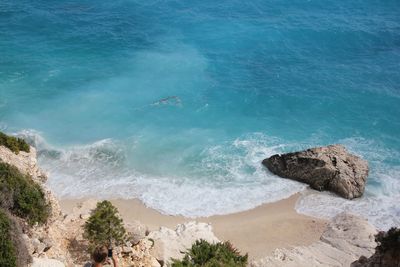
13 143
104 226
8 256
389 240
13 250
22 196
204 254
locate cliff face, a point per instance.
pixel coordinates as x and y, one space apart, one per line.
42 241
25 163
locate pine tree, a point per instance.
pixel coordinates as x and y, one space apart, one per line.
104 226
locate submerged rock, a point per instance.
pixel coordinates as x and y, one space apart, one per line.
329 168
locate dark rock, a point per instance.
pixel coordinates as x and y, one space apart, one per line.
323 168
387 253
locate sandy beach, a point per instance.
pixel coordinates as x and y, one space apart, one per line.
257 231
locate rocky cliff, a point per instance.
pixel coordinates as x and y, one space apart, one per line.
42 241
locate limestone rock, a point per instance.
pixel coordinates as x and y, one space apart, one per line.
42 240
345 239
170 243
38 246
137 255
39 262
387 253
24 162
350 233
136 231
126 249
323 168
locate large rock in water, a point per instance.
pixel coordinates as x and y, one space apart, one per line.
323 168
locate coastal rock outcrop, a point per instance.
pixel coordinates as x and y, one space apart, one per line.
323 168
136 231
346 238
170 244
37 262
387 253
25 162
42 241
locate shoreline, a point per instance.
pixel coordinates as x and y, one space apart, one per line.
258 231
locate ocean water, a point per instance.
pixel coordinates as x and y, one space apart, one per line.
177 102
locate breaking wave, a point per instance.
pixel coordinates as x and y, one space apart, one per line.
223 179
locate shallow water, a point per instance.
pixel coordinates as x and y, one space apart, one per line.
177 102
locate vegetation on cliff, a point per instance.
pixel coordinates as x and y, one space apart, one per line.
389 240
22 196
205 254
387 252
13 251
104 226
7 250
13 143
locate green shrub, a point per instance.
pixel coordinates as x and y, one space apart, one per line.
13 250
104 226
8 256
204 254
389 240
22 196
13 143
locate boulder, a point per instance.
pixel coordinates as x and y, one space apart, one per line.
136 231
38 246
344 240
171 244
329 168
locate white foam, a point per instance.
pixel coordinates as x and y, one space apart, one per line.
226 178
381 211
380 203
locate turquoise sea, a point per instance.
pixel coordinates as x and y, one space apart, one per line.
177 102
